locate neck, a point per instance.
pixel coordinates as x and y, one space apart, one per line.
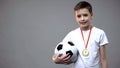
86 28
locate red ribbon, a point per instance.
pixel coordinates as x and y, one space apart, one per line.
87 38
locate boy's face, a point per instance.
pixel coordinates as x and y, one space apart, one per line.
83 18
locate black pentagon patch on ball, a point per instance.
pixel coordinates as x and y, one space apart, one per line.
70 52
71 43
60 46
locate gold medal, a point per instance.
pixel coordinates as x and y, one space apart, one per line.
85 52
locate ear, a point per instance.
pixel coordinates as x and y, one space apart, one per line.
91 16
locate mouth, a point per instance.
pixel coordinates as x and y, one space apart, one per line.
83 23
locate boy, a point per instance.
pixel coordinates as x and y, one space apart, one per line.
90 41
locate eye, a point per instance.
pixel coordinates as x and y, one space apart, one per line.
85 15
78 16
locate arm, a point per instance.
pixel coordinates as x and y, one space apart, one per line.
103 56
61 60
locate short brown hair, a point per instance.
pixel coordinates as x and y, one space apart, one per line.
83 4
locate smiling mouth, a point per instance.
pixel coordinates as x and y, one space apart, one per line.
83 23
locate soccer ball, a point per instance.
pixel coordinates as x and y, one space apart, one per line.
67 47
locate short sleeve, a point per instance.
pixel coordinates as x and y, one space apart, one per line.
103 39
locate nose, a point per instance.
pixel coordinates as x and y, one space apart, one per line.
82 18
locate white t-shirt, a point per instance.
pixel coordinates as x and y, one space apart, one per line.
97 39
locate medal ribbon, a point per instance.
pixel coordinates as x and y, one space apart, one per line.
87 38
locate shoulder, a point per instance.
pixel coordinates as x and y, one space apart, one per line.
71 34
101 36
75 31
98 30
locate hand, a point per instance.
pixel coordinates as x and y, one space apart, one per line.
60 59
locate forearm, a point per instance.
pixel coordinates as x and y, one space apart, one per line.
103 57
104 63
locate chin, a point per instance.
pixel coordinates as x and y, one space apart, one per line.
84 26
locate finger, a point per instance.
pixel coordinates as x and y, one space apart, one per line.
54 56
67 58
60 55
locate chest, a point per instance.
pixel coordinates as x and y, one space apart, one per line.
93 40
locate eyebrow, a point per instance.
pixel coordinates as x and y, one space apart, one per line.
79 15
